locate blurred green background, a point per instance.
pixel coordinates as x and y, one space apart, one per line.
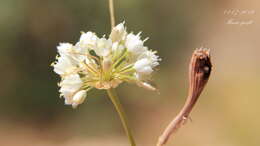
227 114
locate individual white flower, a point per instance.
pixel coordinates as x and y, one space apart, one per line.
64 65
79 52
69 85
65 48
118 33
143 66
79 98
88 40
134 44
104 47
75 53
151 56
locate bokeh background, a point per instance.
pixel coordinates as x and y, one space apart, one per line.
227 114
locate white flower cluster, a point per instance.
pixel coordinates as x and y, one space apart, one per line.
102 63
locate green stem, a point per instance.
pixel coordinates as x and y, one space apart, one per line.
115 100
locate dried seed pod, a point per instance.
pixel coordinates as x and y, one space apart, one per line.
199 72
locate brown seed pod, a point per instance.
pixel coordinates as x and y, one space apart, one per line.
199 73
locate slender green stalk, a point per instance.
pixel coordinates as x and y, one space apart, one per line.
112 93
112 13
115 100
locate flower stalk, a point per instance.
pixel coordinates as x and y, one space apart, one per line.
119 108
112 13
112 93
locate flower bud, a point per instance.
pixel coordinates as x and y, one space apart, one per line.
79 98
118 33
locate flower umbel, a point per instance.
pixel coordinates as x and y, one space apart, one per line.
103 63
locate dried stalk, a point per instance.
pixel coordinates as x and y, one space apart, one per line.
112 13
199 72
